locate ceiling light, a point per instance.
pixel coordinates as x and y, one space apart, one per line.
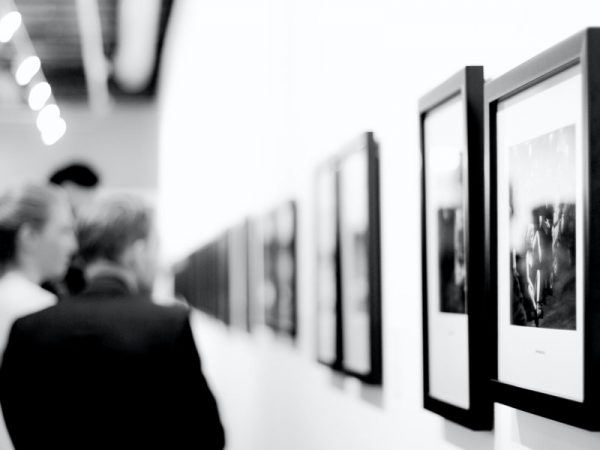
9 24
47 116
27 69
39 95
53 133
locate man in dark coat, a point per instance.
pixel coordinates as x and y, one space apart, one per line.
109 369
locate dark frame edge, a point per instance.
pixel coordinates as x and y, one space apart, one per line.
467 83
370 146
576 49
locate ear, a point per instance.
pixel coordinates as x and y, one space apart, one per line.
134 255
26 238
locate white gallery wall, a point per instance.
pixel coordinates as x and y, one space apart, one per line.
254 94
121 144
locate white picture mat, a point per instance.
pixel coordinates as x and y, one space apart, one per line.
549 361
354 219
445 141
326 275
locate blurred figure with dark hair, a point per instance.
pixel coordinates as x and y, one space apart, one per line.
124 371
36 242
80 182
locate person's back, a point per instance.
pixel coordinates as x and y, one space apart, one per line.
108 368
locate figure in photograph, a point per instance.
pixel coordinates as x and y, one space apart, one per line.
542 212
451 260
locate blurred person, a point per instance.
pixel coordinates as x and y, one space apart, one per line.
36 242
123 371
81 182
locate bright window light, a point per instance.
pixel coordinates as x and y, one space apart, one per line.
54 132
9 24
27 69
39 95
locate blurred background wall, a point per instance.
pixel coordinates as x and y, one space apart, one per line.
254 94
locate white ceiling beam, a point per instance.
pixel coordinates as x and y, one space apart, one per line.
92 51
137 36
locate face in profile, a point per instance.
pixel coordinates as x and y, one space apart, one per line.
55 243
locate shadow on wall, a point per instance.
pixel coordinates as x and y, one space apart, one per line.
538 433
466 439
369 394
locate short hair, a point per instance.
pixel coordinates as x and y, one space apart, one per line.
77 173
26 204
111 223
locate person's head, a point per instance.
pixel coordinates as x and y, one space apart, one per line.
79 181
36 231
118 230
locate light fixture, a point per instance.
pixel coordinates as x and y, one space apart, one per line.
39 95
54 132
47 116
27 70
9 24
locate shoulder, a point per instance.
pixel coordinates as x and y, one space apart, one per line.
130 319
15 288
20 297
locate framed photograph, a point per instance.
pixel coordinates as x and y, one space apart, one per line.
359 248
269 275
222 294
238 276
254 265
456 362
280 267
328 307
286 266
544 231
202 279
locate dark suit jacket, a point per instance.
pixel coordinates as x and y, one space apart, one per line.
107 370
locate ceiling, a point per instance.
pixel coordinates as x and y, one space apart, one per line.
91 47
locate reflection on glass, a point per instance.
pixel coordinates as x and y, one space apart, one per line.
326 265
354 228
445 154
285 270
269 275
542 230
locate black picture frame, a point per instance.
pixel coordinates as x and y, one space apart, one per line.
465 88
239 275
329 349
269 273
280 266
202 279
579 52
286 220
369 263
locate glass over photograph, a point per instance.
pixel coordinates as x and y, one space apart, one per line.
354 229
451 239
542 230
540 266
445 158
326 236
445 141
